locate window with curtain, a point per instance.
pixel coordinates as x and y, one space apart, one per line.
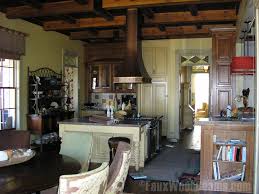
12 47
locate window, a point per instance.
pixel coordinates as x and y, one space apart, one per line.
8 93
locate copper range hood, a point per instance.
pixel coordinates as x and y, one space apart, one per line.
133 69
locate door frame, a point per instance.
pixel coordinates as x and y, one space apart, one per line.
178 54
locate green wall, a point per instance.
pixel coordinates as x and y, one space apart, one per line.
43 49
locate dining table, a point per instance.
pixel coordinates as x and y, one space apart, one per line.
37 174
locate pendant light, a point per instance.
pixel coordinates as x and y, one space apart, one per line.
243 65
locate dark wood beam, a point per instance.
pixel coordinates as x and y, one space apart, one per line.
98 10
67 18
162 27
85 23
32 3
82 1
101 34
181 17
181 31
193 9
198 26
125 4
49 9
151 33
148 12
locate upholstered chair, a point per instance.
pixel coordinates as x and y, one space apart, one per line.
91 182
119 169
14 139
78 145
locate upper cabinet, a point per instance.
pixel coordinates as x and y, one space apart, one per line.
101 77
155 60
223 45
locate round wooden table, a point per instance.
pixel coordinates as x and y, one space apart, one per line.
39 173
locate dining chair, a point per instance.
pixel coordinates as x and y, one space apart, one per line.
14 139
119 169
91 182
77 145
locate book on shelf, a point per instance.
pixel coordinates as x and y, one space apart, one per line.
231 153
243 172
215 172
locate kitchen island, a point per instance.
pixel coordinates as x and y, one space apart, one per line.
227 154
134 130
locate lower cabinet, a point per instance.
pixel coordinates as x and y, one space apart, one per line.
153 102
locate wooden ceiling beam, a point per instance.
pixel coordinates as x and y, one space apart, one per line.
98 10
67 18
193 9
82 1
49 9
150 32
162 27
101 34
85 23
125 4
148 12
180 17
32 3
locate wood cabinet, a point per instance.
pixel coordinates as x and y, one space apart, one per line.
152 101
155 60
213 136
222 85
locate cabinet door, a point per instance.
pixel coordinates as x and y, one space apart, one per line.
160 65
146 100
155 61
159 94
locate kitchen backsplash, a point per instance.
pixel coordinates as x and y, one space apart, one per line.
103 98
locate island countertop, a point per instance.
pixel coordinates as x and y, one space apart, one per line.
225 121
87 121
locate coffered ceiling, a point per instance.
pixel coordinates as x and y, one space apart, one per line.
105 20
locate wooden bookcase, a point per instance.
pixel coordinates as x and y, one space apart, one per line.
212 133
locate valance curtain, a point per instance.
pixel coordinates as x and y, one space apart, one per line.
12 44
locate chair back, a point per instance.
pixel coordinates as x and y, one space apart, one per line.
91 182
119 169
77 145
14 139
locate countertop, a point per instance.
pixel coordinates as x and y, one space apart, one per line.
86 121
225 121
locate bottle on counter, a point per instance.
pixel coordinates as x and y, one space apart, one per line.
123 106
229 111
111 112
108 113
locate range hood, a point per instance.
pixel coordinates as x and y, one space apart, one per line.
133 69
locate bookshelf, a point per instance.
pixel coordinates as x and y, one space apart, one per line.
227 156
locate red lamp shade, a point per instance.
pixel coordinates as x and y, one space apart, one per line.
243 65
